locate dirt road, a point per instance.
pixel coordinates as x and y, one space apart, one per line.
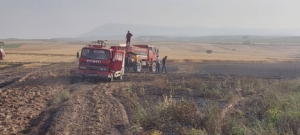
45 100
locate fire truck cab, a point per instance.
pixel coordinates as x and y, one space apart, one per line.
2 53
101 62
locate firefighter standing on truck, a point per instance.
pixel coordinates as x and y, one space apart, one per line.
128 37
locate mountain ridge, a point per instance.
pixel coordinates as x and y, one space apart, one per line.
117 29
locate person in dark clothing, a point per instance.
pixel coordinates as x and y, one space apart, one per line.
158 61
128 37
127 63
164 64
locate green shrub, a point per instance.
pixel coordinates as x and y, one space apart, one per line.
60 97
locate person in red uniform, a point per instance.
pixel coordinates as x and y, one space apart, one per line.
128 37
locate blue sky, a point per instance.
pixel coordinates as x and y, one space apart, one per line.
70 18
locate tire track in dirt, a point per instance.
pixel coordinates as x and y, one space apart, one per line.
229 106
91 109
11 74
26 74
8 82
23 101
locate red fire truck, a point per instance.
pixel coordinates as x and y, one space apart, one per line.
146 53
97 60
147 56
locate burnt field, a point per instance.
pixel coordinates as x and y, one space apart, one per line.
192 98
284 70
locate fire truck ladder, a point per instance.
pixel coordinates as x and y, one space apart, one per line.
100 42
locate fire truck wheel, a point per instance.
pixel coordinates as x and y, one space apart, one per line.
82 79
110 79
74 80
152 68
97 80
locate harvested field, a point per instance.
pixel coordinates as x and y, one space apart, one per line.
38 58
52 51
40 95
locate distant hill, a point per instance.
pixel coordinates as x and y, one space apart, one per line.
118 31
224 39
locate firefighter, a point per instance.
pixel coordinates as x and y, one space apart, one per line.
164 64
158 61
128 37
136 59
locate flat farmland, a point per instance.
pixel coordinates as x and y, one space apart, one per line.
51 51
220 52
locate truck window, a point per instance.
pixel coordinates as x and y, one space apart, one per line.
153 49
140 53
95 54
118 56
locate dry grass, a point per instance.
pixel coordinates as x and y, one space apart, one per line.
34 65
175 106
60 98
272 107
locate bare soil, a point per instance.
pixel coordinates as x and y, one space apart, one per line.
27 94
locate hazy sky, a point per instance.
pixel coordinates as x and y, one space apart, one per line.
69 18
